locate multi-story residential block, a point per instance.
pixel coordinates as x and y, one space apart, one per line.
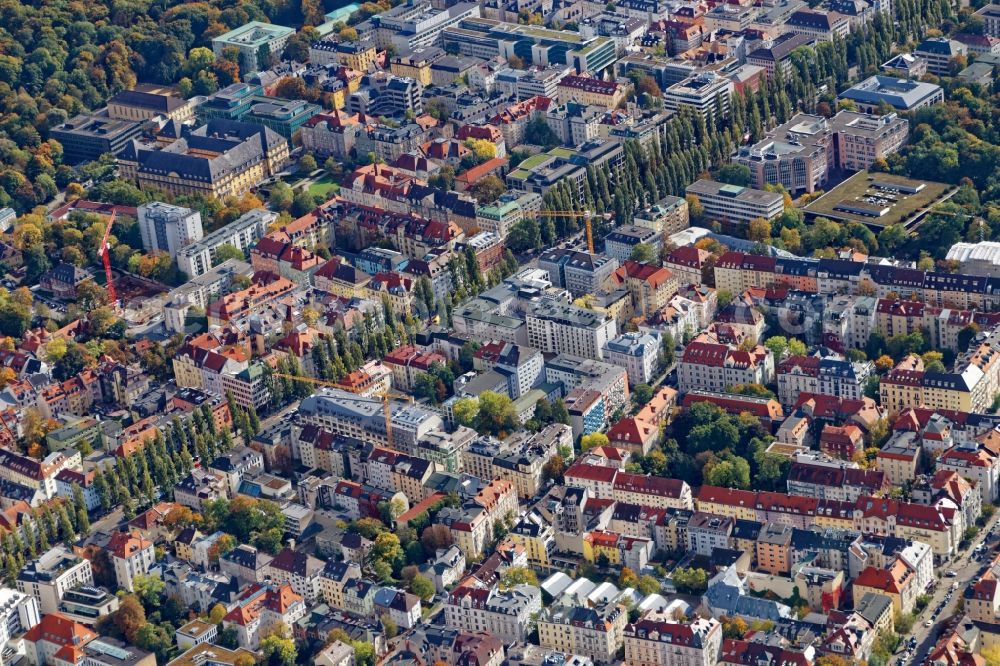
52 575
263 608
595 632
735 204
834 480
638 353
706 532
826 376
200 257
709 365
256 43
667 216
167 228
131 556
505 614
590 91
659 640
343 413
18 613
555 327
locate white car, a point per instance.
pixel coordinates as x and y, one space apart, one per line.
928 623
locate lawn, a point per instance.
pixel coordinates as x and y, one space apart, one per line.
324 187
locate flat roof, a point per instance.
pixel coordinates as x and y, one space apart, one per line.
880 200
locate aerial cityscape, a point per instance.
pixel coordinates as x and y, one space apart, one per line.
500 333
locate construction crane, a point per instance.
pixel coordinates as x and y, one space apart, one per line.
383 398
106 258
585 214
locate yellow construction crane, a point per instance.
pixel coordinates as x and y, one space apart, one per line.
585 214
383 398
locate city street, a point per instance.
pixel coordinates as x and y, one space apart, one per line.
967 569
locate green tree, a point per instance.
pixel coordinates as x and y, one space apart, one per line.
643 253
421 586
278 650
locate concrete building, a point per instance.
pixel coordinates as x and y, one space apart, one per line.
256 43
735 204
86 137
200 257
900 94
638 353
554 327
131 556
168 228
940 54
706 93
52 575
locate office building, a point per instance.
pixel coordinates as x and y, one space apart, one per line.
256 43
86 137
418 23
901 94
940 54
220 159
147 102
168 228
707 93
736 204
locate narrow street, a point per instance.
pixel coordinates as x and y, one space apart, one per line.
967 569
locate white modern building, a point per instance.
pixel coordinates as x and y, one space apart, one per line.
555 327
49 577
168 228
199 257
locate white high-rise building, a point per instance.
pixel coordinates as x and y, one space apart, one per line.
168 228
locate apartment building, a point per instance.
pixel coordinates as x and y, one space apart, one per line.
579 272
555 327
596 632
657 639
168 228
54 573
262 608
199 258
735 204
638 353
131 556
991 19
709 365
505 614
826 376
590 91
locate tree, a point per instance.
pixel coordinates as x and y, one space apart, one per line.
593 440
466 412
627 578
216 615
734 174
149 590
690 581
227 251
554 468
642 393
278 650
496 414
435 537
759 230
422 587
130 617
514 576
307 164
390 628
525 235
643 253
488 189
649 585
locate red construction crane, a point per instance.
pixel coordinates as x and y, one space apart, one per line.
106 257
